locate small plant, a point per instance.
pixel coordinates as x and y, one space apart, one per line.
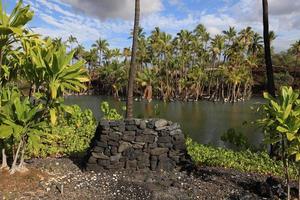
70 136
281 123
109 113
22 122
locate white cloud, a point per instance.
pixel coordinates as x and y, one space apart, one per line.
90 19
104 9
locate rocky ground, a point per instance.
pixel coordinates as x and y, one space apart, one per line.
63 179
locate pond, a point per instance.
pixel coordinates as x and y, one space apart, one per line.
204 121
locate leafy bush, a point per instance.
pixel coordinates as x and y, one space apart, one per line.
109 113
72 134
245 161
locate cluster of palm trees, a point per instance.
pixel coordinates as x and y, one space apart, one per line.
190 66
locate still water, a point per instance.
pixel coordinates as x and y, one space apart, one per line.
204 121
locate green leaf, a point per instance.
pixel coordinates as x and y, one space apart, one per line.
290 136
53 117
281 129
5 131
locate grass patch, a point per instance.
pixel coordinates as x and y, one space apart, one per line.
245 161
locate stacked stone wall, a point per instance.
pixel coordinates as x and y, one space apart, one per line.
156 144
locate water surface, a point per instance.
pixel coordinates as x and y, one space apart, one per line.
204 121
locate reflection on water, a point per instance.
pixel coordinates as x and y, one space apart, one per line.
204 121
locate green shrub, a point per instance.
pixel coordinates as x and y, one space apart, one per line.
71 135
245 161
109 113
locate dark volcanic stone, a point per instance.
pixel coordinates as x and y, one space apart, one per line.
176 132
131 128
114 150
114 136
103 138
163 133
129 122
180 146
153 162
150 124
116 165
143 125
103 163
138 145
98 149
165 163
123 146
165 145
99 156
101 144
160 123
107 152
159 151
173 126
145 138
114 123
142 156
92 160
131 164
150 132
116 157
120 128
178 138
129 154
113 143
164 139
142 164
153 145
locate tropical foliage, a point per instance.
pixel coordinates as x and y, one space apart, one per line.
191 65
245 160
281 123
27 120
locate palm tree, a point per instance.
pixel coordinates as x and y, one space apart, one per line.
256 45
72 40
126 54
101 45
295 49
132 70
268 59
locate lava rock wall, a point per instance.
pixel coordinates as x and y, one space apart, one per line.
157 144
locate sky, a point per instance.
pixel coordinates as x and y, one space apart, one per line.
112 20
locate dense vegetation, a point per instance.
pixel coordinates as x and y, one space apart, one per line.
191 65
244 160
38 123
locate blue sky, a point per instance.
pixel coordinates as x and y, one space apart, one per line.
112 19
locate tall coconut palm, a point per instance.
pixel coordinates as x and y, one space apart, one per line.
268 59
255 45
72 40
295 49
132 70
101 45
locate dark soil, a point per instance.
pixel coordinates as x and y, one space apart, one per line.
63 179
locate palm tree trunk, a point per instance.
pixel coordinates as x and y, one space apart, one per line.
268 59
132 70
